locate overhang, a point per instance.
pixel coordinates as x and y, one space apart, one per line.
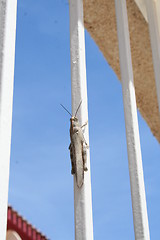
100 21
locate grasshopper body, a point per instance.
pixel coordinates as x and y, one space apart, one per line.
78 148
78 151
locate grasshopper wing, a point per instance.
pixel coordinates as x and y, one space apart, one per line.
79 169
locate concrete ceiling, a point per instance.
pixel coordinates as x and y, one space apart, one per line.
100 21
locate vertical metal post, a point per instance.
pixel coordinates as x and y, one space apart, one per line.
139 207
82 196
153 13
8 10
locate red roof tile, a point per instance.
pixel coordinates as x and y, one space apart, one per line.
25 230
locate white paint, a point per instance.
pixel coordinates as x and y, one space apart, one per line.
8 10
82 196
142 7
139 207
153 11
12 235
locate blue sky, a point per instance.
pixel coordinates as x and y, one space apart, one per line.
41 186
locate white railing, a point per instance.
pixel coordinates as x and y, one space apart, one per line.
79 92
8 9
139 207
82 196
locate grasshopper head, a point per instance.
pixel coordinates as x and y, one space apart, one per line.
74 121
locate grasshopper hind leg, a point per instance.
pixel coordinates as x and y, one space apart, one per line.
84 154
72 162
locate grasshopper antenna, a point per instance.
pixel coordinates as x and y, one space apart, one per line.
66 110
78 108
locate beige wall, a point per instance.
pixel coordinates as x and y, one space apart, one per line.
11 235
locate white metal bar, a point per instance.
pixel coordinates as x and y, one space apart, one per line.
153 13
139 207
82 196
8 10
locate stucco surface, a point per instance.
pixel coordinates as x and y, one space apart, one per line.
100 21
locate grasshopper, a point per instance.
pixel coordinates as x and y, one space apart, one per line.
78 148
